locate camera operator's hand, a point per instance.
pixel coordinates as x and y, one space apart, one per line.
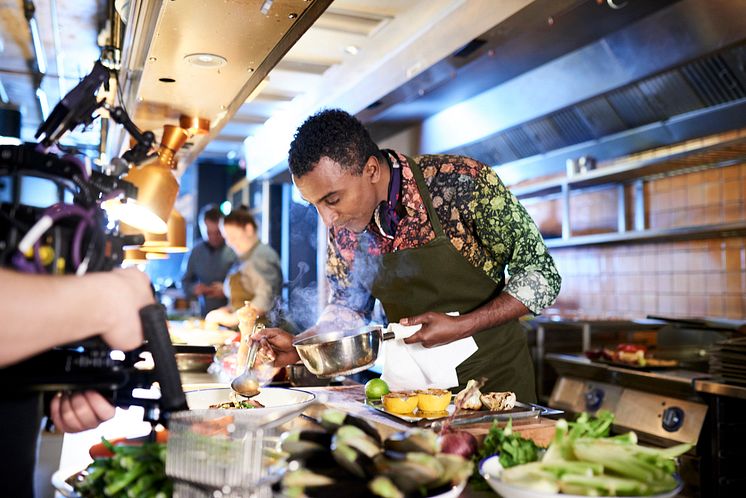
43 311
76 412
128 292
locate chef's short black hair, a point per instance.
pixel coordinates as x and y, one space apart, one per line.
335 134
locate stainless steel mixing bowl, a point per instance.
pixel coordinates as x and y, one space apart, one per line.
340 353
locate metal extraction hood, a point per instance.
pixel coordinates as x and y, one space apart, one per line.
563 79
202 58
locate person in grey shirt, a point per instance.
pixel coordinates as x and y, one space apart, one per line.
256 276
209 263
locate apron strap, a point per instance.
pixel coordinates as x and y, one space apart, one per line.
426 198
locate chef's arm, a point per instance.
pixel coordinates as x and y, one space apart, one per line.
43 311
498 311
511 237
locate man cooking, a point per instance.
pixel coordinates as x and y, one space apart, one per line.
443 231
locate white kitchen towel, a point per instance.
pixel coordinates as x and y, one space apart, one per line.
413 366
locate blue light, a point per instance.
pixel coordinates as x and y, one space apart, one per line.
225 208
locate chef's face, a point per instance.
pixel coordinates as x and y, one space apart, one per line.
342 198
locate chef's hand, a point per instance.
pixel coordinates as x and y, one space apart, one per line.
437 329
281 343
199 289
130 291
76 412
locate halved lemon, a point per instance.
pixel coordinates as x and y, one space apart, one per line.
400 402
433 400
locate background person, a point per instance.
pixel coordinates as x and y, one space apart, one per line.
255 277
208 263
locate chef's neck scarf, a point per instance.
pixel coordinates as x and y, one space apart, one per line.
386 215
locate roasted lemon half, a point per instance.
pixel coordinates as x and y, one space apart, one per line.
400 401
433 400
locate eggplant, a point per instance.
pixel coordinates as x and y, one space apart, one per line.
356 438
353 460
416 471
319 461
383 486
413 440
301 482
299 442
456 468
331 420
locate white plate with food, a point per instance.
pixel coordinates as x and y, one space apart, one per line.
491 470
272 404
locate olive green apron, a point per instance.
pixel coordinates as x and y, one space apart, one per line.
436 277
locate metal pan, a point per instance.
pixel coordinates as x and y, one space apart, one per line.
341 352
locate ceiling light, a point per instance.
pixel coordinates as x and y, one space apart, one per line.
194 125
172 242
157 187
205 60
352 49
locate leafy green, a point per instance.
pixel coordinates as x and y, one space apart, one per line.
133 471
513 450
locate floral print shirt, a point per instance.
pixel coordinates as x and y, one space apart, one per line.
482 218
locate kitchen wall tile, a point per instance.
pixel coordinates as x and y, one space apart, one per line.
733 307
733 282
680 283
713 193
713 214
732 191
715 306
732 259
714 175
732 212
714 283
694 216
696 283
650 302
697 305
678 182
731 173
665 282
696 195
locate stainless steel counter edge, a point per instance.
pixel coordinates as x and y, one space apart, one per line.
719 389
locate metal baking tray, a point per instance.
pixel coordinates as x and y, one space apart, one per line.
520 411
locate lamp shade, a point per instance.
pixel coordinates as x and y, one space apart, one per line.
157 189
138 257
172 242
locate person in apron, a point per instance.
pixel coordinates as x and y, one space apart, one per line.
256 276
424 237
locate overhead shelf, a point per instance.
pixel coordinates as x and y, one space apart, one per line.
717 154
717 151
670 234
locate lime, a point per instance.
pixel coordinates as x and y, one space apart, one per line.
375 388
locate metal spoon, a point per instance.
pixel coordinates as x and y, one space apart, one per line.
247 384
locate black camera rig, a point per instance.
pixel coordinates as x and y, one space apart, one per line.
74 236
